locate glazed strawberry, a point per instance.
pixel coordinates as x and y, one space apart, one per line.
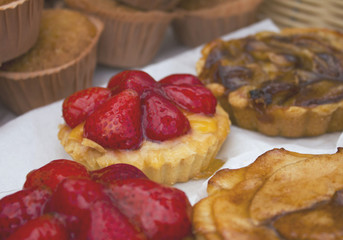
72 200
51 174
162 120
106 222
77 107
196 98
115 172
131 79
45 227
178 79
161 212
117 123
18 208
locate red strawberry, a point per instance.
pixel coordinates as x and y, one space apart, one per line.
106 222
161 212
73 197
162 120
77 107
131 79
197 99
45 227
178 79
51 174
18 208
117 123
115 172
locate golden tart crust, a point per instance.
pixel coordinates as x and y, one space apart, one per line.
280 84
168 162
282 195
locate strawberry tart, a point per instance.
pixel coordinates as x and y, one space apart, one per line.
171 129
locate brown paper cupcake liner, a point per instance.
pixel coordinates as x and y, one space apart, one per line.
196 27
130 38
152 4
19 27
21 92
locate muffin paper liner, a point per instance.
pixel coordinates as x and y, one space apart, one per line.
196 27
23 91
19 27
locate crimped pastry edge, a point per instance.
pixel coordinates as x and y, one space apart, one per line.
182 160
291 122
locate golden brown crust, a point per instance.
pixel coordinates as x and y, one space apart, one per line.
152 4
291 86
272 195
168 162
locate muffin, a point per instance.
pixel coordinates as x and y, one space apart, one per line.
61 62
280 84
163 5
201 21
18 34
131 37
146 124
282 195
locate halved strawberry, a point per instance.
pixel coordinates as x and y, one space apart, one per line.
161 212
117 123
162 120
131 79
18 208
42 228
194 98
177 79
51 174
115 172
78 106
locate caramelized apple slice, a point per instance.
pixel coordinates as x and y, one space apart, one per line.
298 186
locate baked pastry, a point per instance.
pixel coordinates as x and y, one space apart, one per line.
201 21
171 129
287 84
61 62
164 5
131 37
18 34
62 201
282 195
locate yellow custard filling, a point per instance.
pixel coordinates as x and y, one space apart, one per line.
188 154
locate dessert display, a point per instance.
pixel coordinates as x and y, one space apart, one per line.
282 195
171 129
163 5
201 21
61 62
63 200
18 34
131 37
280 84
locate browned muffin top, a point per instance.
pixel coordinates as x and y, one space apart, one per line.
64 35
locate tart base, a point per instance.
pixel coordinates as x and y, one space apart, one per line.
166 162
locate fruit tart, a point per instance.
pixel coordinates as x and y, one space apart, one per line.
63 201
280 84
283 195
171 129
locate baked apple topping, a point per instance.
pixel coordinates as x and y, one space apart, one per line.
62 201
299 69
134 107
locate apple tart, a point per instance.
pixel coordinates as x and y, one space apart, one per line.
281 84
282 195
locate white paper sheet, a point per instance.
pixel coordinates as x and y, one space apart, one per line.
30 141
